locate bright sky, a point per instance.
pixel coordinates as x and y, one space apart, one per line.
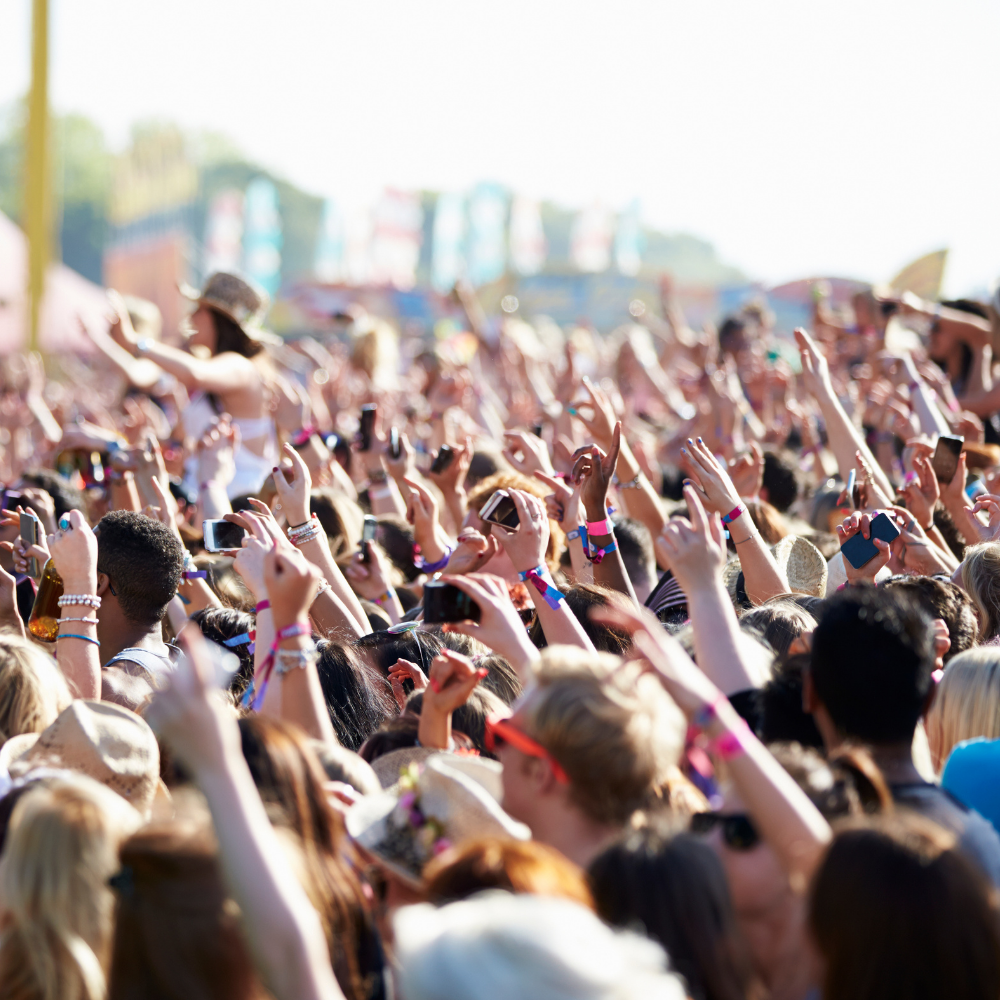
800 138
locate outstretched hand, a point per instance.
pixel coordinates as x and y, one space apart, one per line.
594 472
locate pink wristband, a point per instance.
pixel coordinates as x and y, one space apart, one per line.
604 527
733 514
730 744
262 606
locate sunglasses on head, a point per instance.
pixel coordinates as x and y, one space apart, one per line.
500 730
738 831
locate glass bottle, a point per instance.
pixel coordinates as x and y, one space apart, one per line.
44 621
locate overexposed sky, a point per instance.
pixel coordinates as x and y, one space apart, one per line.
800 138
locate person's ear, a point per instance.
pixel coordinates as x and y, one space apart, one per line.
103 583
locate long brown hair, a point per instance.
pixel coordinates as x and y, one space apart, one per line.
229 337
176 933
290 780
897 911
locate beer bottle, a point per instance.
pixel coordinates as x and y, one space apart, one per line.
44 621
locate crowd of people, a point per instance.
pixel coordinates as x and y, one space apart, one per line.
540 663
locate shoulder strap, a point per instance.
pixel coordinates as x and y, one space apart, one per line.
152 662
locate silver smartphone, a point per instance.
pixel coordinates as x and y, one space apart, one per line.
221 536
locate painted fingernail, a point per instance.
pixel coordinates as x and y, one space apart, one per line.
435 685
700 441
684 451
572 409
275 469
482 671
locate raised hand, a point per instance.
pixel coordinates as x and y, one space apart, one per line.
291 582
747 471
216 450
695 549
527 453
472 552
74 552
815 368
593 472
403 670
923 493
526 546
711 481
294 484
858 523
602 424
563 504
370 578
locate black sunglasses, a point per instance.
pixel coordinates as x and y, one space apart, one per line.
738 832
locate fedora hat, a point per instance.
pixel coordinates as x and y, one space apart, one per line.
446 801
238 299
801 562
104 741
389 768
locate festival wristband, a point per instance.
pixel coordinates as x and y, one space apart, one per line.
195 574
262 606
434 567
604 527
546 589
707 713
733 514
731 743
300 437
254 696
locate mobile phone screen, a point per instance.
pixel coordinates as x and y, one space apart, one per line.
860 550
222 535
945 461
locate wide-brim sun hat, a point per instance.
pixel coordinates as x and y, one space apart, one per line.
238 299
97 738
803 565
448 800
389 767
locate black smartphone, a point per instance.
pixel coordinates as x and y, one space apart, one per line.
394 447
367 427
537 430
500 509
11 499
444 602
221 536
29 537
368 535
888 308
443 458
945 460
860 550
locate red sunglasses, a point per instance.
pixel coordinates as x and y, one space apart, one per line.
500 730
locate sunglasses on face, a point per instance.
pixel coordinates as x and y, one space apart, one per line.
738 832
501 731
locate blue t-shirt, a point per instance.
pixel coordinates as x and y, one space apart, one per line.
972 775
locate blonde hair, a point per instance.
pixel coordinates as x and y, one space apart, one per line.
611 726
967 702
60 852
981 581
33 690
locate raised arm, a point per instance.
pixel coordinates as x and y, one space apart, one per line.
845 439
285 937
452 679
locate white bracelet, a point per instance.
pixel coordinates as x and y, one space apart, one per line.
86 621
87 600
286 660
324 585
382 494
632 484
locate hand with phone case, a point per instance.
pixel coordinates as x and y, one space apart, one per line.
527 546
864 544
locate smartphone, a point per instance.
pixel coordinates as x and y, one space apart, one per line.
444 602
394 448
221 536
860 550
945 460
975 489
537 430
368 535
500 509
11 499
29 536
367 427
443 459
888 308
852 486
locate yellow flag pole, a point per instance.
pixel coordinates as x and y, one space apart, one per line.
37 173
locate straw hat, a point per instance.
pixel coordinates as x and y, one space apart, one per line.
244 303
390 766
104 741
802 563
448 801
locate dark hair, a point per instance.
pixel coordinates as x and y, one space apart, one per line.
777 623
732 328
780 482
65 496
674 885
871 663
469 718
482 465
580 598
395 536
781 716
143 560
635 543
221 624
399 734
385 648
290 781
357 697
896 910
229 337
175 933
942 599
502 678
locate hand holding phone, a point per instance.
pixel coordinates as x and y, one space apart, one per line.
444 458
444 602
367 426
857 538
500 509
222 536
29 536
368 535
